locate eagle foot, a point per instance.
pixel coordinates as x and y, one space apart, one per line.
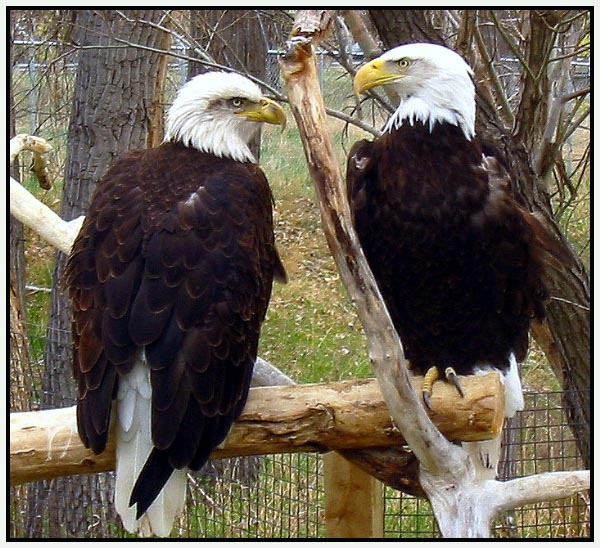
432 375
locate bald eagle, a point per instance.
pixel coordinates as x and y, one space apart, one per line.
170 277
458 260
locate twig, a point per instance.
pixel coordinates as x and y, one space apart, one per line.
516 51
500 93
575 94
586 308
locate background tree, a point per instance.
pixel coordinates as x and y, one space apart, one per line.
115 84
19 352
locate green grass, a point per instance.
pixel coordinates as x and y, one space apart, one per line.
40 259
312 331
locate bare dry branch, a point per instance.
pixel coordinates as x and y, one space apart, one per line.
499 92
30 211
540 488
299 71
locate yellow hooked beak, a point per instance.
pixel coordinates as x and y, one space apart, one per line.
376 73
266 111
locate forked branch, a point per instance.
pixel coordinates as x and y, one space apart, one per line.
462 505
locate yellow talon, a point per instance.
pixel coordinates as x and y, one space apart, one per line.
431 376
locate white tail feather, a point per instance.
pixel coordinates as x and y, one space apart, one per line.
485 455
513 390
134 443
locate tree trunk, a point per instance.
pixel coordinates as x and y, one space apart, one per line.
111 114
397 27
565 338
19 352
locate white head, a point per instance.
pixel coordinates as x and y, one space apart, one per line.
218 113
433 82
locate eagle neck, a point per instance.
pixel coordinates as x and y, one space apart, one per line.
413 110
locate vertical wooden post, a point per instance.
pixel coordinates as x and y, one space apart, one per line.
353 500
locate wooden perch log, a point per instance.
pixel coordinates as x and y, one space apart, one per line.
311 417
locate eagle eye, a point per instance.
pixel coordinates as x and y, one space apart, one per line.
237 102
403 63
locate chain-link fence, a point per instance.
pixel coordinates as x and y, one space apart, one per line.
283 495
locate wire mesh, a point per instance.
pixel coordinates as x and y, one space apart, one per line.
283 495
540 440
281 498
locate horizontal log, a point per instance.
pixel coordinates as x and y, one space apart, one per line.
280 419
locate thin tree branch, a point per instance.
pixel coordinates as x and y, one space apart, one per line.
575 94
190 42
539 488
505 111
514 48
576 124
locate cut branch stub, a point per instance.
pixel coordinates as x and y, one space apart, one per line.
315 24
39 147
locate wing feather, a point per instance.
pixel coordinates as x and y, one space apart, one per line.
459 260
174 263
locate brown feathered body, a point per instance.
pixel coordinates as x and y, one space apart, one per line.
173 267
458 260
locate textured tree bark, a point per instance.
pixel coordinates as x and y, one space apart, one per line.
19 351
342 416
113 92
361 28
20 381
397 27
